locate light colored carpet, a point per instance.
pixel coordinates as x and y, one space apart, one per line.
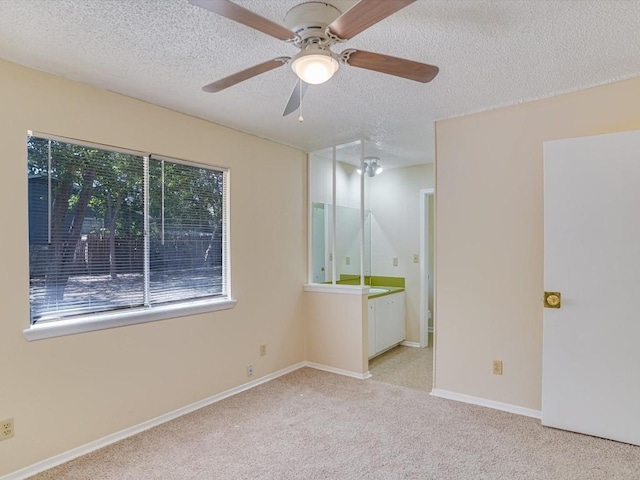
316 425
405 366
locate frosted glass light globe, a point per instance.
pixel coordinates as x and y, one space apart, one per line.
315 68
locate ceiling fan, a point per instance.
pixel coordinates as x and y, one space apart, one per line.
314 27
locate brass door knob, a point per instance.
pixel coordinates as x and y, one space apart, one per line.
552 299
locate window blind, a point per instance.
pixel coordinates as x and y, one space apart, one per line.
89 209
186 205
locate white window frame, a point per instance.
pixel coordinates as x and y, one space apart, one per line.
335 287
137 315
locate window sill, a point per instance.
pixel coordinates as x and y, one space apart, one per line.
120 319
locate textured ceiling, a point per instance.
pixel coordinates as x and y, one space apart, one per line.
490 53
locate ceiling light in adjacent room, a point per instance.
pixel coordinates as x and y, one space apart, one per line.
372 167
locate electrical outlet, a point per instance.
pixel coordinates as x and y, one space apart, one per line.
6 429
250 370
395 261
497 367
263 349
348 260
416 258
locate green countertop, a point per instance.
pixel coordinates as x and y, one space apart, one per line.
393 284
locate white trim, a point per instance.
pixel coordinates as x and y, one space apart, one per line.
103 321
74 453
339 371
309 223
334 211
410 344
483 402
141 427
425 193
343 289
226 230
434 301
362 214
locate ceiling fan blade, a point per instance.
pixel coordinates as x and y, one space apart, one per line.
240 14
296 97
231 80
364 14
420 72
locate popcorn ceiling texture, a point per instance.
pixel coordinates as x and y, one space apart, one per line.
490 53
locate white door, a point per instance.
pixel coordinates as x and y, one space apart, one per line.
591 344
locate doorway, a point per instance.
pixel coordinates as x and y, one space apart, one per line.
411 363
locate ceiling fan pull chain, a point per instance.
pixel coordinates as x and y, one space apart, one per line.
300 118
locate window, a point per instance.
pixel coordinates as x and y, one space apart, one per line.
115 231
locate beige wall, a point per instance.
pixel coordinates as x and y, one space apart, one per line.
65 392
394 200
489 237
337 330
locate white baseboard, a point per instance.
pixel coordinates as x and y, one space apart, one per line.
339 371
483 402
410 344
141 427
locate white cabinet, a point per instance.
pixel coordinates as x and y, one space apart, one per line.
385 327
386 322
397 315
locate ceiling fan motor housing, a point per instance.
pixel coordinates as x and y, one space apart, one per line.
309 20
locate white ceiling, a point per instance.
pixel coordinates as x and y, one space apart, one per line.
490 53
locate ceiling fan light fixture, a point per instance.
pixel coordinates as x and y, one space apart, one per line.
314 66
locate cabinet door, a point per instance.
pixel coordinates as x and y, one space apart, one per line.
372 328
397 314
384 327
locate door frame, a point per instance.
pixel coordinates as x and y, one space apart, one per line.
426 196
